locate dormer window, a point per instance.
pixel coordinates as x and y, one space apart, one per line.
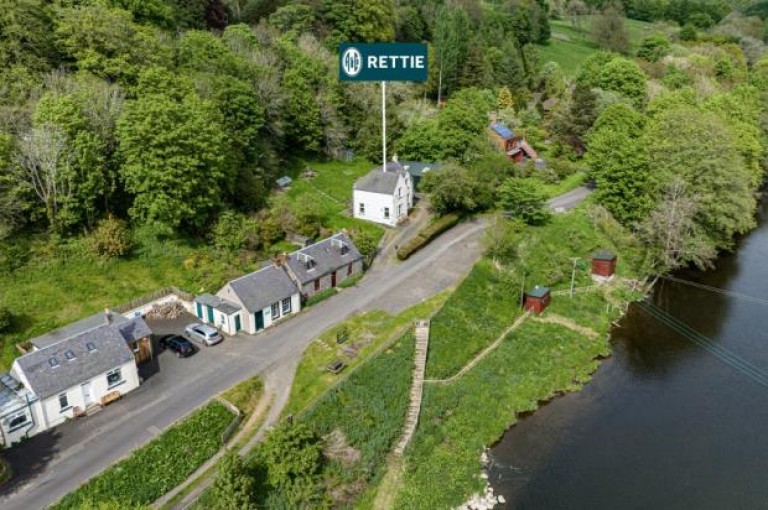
309 262
70 356
341 246
53 362
91 347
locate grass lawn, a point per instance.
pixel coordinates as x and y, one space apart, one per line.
158 467
569 46
565 185
333 184
368 332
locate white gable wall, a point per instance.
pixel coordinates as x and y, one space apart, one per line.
399 203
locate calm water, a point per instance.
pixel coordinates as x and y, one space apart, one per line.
664 424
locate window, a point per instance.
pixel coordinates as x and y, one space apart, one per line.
399 210
63 402
317 285
70 356
386 213
286 305
53 362
361 208
349 270
114 377
16 421
399 192
275 311
91 347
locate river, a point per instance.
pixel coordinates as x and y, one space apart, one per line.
665 423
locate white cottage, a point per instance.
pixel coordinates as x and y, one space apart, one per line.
260 299
384 196
57 382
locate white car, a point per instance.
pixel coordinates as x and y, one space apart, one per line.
204 333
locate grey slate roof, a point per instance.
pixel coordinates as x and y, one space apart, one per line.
538 292
263 288
326 256
75 328
377 181
46 380
222 305
134 329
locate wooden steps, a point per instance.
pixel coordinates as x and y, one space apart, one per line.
417 386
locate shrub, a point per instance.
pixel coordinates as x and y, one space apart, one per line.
424 237
6 319
110 238
351 281
524 199
320 296
366 245
234 231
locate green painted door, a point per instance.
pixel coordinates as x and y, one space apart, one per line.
238 326
259 316
210 314
199 310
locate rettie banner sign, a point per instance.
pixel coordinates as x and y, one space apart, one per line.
383 62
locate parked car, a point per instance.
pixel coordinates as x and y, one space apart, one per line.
204 333
178 344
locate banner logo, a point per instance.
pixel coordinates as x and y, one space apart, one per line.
351 62
383 62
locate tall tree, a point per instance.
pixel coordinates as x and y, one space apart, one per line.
609 30
234 487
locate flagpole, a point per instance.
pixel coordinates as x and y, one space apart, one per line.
384 124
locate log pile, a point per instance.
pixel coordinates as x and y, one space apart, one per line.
172 310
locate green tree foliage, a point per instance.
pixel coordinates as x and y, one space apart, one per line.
450 40
234 487
654 48
234 231
25 35
6 319
174 160
609 30
456 189
360 20
524 199
153 12
619 163
626 78
110 239
104 41
504 99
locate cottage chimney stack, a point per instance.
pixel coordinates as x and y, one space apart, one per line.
107 316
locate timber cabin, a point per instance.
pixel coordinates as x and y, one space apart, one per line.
537 300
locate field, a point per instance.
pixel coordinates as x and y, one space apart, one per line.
570 46
158 467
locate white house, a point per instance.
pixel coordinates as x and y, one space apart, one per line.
384 196
224 314
259 299
55 383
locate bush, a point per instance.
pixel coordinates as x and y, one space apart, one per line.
320 296
6 319
110 238
525 199
234 231
424 237
351 281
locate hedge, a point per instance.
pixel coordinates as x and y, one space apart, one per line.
427 234
320 296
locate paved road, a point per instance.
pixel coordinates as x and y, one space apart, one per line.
73 453
568 201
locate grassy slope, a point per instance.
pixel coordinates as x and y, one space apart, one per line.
570 46
44 296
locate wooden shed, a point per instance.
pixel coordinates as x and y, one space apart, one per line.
537 300
604 263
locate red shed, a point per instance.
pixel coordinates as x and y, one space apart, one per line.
604 263
537 300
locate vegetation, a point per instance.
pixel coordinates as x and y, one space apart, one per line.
320 296
245 395
154 469
427 234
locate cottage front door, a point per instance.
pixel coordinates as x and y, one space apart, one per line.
259 316
87 394
333 279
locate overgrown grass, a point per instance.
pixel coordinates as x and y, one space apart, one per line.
367 333
474 316
158 467
245 395
534 363
368 409
571 45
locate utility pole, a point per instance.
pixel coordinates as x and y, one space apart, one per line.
573 274
384 124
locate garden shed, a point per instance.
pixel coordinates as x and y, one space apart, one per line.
537 300
604 263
